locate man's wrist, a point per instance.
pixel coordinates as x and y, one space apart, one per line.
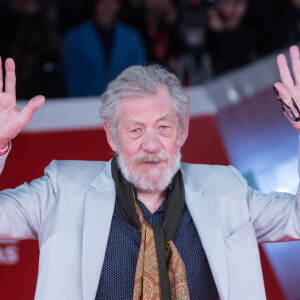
4 149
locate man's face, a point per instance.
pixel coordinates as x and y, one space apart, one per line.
148 140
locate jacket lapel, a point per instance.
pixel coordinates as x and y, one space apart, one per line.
203 210
98 211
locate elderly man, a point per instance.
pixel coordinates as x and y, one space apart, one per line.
144 225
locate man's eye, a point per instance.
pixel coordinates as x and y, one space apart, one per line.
135 130
163 127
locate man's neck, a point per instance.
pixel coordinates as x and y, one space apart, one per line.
152 200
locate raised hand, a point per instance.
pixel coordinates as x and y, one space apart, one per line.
12 121
289 87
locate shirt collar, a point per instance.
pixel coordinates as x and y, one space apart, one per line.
143 208
161 208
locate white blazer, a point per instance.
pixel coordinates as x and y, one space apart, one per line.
70 209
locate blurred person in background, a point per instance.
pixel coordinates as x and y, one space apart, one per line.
12 15
195 65
193 22
96 51
230 42
158 23
37 51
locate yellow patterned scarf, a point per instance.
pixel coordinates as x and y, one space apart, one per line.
147 281
160 272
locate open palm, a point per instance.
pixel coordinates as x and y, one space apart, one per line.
289 87
12 121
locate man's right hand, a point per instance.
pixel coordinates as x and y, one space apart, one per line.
12 121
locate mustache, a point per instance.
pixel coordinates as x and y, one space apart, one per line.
148 157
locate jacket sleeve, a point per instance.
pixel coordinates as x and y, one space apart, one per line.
22 209
275 216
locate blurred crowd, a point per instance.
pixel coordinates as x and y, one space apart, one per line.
75 47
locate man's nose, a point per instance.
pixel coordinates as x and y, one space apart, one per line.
151 142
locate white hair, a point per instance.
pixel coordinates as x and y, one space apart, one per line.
139 82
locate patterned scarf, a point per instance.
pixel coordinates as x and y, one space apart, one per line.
160 271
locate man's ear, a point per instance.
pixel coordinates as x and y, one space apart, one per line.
109 136
185 132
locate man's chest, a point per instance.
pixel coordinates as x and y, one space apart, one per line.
118 272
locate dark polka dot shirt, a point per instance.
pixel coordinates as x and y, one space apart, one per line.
117 276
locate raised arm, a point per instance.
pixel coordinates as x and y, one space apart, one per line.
12 121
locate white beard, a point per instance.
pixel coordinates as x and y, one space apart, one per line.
142 183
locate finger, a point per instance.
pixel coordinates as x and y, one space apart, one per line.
31 107
284 71
1 76
284 92
286 96
294 54
10 77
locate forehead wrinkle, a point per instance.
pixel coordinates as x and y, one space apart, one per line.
166 117
134 122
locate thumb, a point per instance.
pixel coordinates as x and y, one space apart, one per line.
31 107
